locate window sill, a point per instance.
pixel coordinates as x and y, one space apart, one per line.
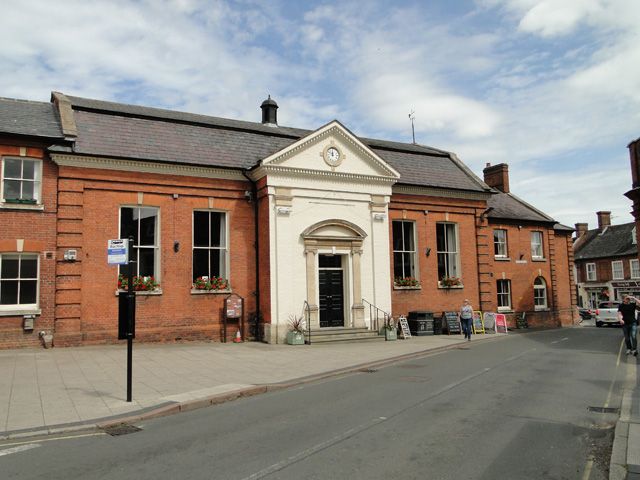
19 312
401 287
209 292
505 310
452 287
538 259
502 259
541 309
157 291
22 206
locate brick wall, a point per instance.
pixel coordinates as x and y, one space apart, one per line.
38 230
86 302
426 212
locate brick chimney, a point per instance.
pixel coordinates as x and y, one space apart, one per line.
604 220
497 176
581 229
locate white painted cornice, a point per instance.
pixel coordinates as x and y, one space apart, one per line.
142 166
277 171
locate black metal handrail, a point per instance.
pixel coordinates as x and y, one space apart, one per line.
373 309
307 314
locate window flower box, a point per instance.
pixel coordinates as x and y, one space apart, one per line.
208 284
406 282
140 283
450 282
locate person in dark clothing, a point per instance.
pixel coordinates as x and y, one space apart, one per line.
629 322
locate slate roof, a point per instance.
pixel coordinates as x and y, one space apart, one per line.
144 133
507 206
614 241
34 119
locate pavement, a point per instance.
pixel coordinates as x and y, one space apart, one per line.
61 390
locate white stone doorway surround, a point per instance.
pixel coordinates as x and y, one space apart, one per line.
335 236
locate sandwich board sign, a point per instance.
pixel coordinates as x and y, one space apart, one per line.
118 251
501 323
478 324
404 325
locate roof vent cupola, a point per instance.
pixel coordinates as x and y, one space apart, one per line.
269 112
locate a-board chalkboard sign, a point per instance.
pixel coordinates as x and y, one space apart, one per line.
404 325
489 320
501 323
452 322
478 325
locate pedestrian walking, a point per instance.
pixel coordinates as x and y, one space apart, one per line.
466 317
629 322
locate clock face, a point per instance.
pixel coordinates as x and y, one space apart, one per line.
332 156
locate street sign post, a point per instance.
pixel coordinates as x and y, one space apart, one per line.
119 253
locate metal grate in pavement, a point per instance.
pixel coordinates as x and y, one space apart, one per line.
121 429
603 409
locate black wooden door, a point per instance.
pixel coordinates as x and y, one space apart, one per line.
331 298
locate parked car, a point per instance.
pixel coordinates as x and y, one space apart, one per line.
607 313
586 313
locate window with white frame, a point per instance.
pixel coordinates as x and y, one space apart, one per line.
142 224
21 180
447 245
404 249
504 294
591 272
617 270
540 294
536 246
500 243
210 245
634 268
18 281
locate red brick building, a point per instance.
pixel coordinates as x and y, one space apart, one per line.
321 222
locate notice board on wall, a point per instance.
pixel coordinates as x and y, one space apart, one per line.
452 322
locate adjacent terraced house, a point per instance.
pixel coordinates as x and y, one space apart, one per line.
317 223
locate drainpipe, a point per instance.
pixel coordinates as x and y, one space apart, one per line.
254 197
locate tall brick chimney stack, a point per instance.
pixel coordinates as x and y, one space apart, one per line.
581 229
604 220
497 176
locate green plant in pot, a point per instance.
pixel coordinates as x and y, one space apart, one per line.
295 335
390 329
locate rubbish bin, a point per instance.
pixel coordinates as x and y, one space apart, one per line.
420 323
437 325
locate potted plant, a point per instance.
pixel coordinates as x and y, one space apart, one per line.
295 335
390 329
448 282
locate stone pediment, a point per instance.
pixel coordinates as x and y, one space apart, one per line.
334 228
332 149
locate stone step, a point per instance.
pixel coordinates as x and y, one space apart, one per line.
343 334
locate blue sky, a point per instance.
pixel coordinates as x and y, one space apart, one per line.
551 87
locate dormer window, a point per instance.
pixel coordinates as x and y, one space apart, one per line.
634 239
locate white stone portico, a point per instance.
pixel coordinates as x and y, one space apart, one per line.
328 230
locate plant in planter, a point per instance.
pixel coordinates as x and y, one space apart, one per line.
140 283
295 335
406 282
390 329
210 283
449 282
